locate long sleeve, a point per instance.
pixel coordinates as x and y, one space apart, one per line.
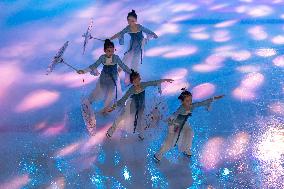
121 35
97 63
122 101
153 83
202 103
123 66
148 32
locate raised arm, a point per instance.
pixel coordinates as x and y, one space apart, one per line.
124 67
120 36
148 32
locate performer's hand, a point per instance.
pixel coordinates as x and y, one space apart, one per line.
119 69
80 72
168 80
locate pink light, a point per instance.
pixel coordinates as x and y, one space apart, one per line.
248 69
69 79
243 93
59 183
176 74
95 140
279 40
241 55
252 80
181 51
241 9
168 28
265 52
10 73
249 84
179 76
218 7
203 91
16 183
257 33
37 99
174 87
238 145
200 36
212 63
19 50
277 108
181 18
197 29
55 129
222 49
211 154
40 126
68 150
157 51
183 7
279 61
221 36
205 68
225 24
259 11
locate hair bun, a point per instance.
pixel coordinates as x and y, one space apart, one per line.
183 89
133 11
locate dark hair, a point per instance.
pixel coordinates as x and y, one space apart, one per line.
132 13
133 75
108 44
183 94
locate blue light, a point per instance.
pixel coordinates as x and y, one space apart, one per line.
126 173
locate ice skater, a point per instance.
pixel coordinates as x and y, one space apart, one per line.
132 114
179 132
108 87
133 57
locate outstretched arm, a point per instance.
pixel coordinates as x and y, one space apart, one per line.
148 32
92 68
157 82
120 35
207 102
123 66
122 101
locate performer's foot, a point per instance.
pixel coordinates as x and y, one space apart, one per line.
140 137
156 159
108 135
187 154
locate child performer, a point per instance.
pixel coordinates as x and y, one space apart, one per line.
108 85
180 132
133 113
133 57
